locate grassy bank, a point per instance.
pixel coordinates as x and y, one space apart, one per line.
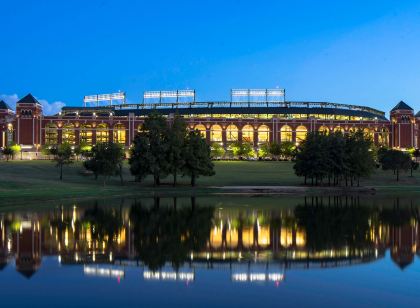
22 181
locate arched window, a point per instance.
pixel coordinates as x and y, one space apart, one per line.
232 133
324 129
216 133
9 136
119 133
353 129
202 129
339 129
68 135
368 132
263 134
248 133
51 134
301 132
86 134
102 134
383 137
286 134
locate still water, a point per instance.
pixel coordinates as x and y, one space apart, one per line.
207 252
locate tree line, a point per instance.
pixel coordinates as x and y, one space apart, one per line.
163 148
335 159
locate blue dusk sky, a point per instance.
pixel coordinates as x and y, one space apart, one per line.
356 52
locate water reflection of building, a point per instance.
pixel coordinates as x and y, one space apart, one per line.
236 239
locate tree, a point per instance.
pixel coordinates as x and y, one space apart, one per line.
149 154
416 154
106 160
243 150
197 157
176 135
63 157
287 149
396 160
217 150
8 153
275 150
264 150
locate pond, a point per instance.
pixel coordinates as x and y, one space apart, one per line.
215 251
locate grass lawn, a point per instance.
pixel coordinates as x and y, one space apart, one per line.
23 181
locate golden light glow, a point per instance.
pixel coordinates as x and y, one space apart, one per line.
216 133
263 134
102 134
286 133
301 132
202 129
119 133
232 133
248 133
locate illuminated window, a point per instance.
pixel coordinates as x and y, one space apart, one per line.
286 133
248 133
68 134
324 129
301 133
119 133
9 134
51 134
102 134
369 132
353 129
202 129
216 133
383 137
263 134
86 134
232 133
339 129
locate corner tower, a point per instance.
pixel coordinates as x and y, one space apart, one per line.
403 125
28 123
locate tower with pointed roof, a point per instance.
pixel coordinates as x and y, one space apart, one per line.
403 126
28 121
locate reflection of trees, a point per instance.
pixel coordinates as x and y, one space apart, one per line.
169 234
104 224
334 226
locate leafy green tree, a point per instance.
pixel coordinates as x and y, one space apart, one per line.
243 150
217 150
63 157
287 149
275 150
396 160
176 136
106 160
264 150
149 154
197 157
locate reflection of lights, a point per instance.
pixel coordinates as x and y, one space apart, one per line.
257 277
169 276
103 272
59 259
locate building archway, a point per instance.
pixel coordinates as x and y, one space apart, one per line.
324 129
216 133
86 134
119 133
301 133
68 134
263 134
247 133
202 129
286 134
232 133
102 134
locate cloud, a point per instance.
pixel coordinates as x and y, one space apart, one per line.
10 99
47 107
51 108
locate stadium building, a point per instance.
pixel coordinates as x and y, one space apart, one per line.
255 116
